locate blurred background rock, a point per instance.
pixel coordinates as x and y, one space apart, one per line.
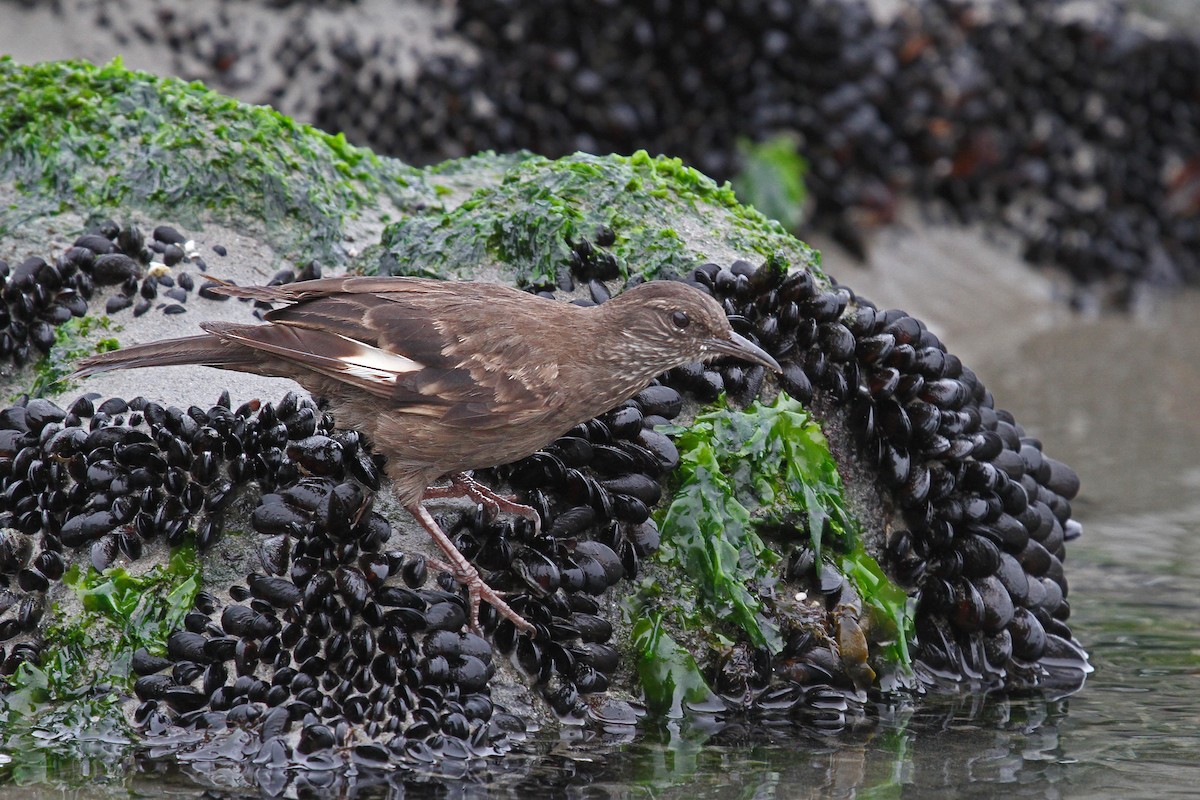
1072 126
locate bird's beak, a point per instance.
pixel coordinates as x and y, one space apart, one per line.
740 347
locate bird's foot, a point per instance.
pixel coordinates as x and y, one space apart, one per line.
462 484
478 591
465 573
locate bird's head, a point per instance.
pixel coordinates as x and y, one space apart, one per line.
670 323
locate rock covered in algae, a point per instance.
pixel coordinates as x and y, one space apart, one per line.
235 569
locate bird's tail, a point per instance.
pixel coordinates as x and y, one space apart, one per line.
205 350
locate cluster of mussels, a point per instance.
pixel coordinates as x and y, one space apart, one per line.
334 636
40 295
980 514
1078 130
330 630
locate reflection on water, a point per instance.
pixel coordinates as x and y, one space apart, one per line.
942 748
1115 397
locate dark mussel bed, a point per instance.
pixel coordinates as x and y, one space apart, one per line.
333 643
1073 125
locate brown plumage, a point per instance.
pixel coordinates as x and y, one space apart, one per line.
447 377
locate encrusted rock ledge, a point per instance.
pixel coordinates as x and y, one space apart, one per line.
223 574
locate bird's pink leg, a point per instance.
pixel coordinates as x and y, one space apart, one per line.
463 485
465 573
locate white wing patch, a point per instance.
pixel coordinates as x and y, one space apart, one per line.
375 364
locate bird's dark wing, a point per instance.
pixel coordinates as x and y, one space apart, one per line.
470 358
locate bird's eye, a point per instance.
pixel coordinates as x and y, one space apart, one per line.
679 319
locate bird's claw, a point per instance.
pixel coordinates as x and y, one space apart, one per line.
494 503
463 570
478 591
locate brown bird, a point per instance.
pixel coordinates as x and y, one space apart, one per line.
447 377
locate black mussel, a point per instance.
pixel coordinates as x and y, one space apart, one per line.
279 592
915 491
659 445
1028 636
882 383
836 340
893 421
600 564
352 585
572 522
83 528
894 464
662 401
113 268
445 616
795 382
998 606
318 455
945 393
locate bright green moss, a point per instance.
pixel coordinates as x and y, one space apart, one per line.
99 139
103 140
666 217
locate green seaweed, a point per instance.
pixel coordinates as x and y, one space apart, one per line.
74 339
121 612
739 470
102 138
772 178
741 474
887 605
668 673
70 703
146 607
526 218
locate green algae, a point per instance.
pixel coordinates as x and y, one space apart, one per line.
69 704
74 339
744 475
740 471
144 608
772 178
666 217
100 138
668 673
888 607
87 655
